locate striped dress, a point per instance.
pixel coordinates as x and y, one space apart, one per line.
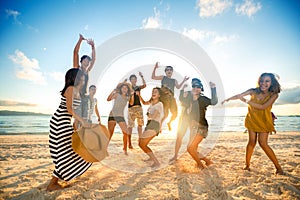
68 164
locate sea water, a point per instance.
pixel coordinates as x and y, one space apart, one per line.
39 124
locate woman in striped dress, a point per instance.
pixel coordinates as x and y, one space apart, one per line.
68 164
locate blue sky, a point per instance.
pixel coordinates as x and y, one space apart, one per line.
243 38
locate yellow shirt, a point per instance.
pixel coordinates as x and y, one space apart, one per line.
259 120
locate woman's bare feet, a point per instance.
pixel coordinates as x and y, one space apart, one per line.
155 164
148 160
169 126
279 171
208 162
54 185
200 166
173 159
247 167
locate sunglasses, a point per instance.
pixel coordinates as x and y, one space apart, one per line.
196 86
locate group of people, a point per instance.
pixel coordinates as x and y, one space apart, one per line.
76 103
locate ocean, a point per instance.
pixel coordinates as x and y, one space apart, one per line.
32 124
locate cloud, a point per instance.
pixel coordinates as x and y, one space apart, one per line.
28 68
211 8
57 76
32 28
152 22
289 96
14 14
224 39
248 8
214 37
9 103
86 27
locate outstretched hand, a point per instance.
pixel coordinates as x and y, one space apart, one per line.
224 101
186 78
156 65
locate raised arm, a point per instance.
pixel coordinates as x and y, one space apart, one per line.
92 43
261 106
214 98
144 82
239 96
178 86
75 52
154 76
112 95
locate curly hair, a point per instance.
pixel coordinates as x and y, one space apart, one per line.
119 88
275 86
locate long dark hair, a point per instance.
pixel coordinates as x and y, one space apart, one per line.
72 78
275 86
160 93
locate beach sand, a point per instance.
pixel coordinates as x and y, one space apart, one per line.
26 167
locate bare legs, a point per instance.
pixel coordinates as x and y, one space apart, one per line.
129 137
143 144
192 149
123 126
263 143
139 129
177 147
250 147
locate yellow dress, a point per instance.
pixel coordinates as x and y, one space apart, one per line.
259 120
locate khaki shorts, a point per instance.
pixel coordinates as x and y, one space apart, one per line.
200 130
135 112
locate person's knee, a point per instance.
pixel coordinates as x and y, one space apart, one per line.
141 144
262 144
251 143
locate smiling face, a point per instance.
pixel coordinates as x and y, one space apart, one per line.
265 83
124 89
155 94
169 72
133 80
196 90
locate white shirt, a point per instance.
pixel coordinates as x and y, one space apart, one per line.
160 108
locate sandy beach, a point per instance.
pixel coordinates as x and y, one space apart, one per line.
26 168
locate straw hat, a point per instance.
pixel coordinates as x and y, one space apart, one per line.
91 143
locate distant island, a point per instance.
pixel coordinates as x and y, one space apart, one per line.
10 113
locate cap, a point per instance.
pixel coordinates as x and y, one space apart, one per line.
197 83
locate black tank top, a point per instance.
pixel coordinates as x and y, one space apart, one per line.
136 97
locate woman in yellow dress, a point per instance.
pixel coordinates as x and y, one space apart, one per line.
259 120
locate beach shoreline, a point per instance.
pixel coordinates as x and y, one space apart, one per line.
26 168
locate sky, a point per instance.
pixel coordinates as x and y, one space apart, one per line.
243 39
